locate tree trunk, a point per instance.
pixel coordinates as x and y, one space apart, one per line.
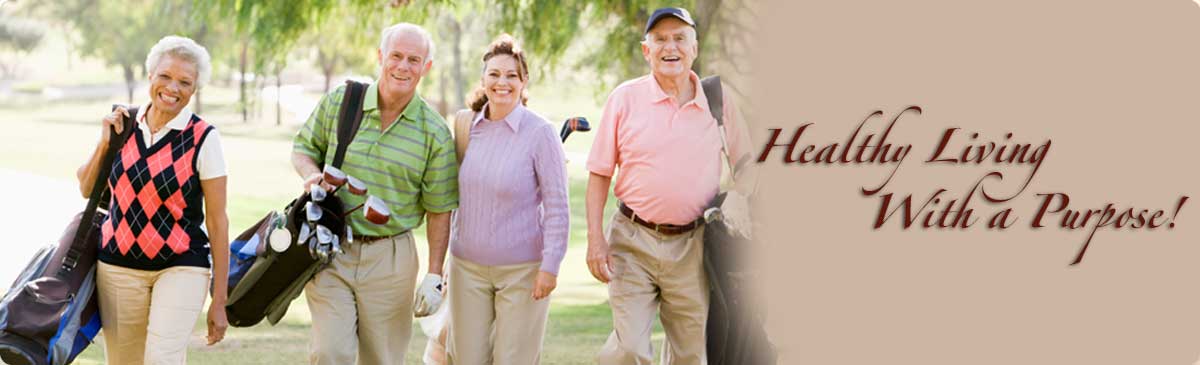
278 96
444 89
707 12
199 37
460 81
328 67
256 98
70 44
242 102
127 69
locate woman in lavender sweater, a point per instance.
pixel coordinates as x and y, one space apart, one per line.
510 231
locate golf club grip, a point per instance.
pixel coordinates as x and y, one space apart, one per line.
349 119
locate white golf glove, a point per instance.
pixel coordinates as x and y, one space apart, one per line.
736 211
429 296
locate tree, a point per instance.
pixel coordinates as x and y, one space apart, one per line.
121 33
271 28
340 43
546 28
18 37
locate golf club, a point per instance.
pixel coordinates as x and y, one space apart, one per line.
313 212
305 233
334 176
576 124
377 211
317 193
357 187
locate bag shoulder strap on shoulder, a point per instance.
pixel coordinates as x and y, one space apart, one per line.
100 194
716 102
349 119
462 132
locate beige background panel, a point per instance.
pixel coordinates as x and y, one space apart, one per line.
1114 85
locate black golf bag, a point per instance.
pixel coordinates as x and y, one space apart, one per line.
734 330
263 281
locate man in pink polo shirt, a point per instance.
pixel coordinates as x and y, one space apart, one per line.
658 131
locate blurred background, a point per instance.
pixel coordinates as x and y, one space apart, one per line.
64 63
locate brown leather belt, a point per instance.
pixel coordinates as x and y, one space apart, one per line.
361 238
667 229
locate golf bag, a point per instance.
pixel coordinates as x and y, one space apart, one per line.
51 314
734 330
263 281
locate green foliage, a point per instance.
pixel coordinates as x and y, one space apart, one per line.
121 33
274 27
547 28
20 35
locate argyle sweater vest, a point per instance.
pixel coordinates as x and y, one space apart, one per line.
156 212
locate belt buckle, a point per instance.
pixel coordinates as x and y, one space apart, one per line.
659 228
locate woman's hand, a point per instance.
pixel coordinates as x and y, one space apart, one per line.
217 323
544 284
113 121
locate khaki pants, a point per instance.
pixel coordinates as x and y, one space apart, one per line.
493 317
653 272
149 315
362 303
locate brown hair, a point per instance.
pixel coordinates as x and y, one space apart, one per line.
503 45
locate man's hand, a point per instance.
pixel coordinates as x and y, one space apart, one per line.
598 259
316 178
429 296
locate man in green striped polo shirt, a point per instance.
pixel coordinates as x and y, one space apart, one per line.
362 304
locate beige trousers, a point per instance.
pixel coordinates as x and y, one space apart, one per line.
362 304
652 273
148 316
493 317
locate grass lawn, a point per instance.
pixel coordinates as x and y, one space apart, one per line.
53 139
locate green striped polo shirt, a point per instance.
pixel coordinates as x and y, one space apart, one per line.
411 165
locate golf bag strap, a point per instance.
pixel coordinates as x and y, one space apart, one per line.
349 119
100 193
462 132
716 106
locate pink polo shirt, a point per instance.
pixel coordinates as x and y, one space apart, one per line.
669 157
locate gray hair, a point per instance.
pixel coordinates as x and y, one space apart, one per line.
185 49
409 28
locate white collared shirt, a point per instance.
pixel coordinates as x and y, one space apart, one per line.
210 160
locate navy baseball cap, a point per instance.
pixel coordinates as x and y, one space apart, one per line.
663 13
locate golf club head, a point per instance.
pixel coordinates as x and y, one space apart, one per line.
323 254
317 193
312 246
313 212
576 124
357 187
334 176
376 210
324 235
305 233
